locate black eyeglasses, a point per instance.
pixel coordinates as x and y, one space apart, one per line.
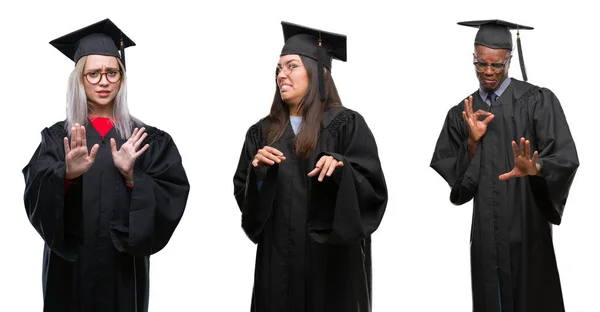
496 67
95 77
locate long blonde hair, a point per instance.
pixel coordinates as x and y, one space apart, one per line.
78 108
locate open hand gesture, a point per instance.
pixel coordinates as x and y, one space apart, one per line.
477 128
325 167
125 157
77 159
523 164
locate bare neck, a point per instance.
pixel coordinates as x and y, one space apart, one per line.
100 111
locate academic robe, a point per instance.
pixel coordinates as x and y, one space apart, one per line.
313 238
100 233
511 234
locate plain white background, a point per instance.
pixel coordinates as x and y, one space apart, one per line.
205 73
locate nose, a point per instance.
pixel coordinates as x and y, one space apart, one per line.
103 80
488 71
280 78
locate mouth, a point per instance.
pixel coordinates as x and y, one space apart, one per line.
488 81
103 93
285 87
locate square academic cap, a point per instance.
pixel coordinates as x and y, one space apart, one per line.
319 45
101 38
495 34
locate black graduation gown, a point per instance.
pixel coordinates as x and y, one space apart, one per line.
511 237
314 245
99 236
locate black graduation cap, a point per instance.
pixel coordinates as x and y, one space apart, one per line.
319 45
101 38
495 34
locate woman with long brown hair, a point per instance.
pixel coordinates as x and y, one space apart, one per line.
310 186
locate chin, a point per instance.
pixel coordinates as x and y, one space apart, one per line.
286 98
488 88
103 102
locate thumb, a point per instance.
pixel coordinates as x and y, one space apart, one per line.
94 151
113 145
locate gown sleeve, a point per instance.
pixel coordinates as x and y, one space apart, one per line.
557 156
55 214
143 224
254 189
451 158
349 205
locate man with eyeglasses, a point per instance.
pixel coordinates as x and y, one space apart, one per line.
508 147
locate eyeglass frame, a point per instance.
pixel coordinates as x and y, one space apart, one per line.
496 67
103 74
285 66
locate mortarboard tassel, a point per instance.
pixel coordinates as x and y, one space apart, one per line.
521 56
320 65
122 48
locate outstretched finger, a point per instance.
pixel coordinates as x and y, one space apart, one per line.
318 167
139 142
83 137
467 119
332 166
528 149
140 152
325 168
314 172
139 134
135 131
73 138
515 150
467 108
523 148
321 162
78 135
66 143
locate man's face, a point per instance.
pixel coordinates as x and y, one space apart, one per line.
491 66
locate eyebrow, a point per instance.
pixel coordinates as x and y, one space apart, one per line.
98 69
287 62
500 63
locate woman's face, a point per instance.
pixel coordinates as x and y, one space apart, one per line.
102 93
292 79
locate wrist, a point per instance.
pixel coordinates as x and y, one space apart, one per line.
128 176
535 172
70 176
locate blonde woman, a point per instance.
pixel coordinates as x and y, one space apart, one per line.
103 190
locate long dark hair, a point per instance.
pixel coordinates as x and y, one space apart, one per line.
311 107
